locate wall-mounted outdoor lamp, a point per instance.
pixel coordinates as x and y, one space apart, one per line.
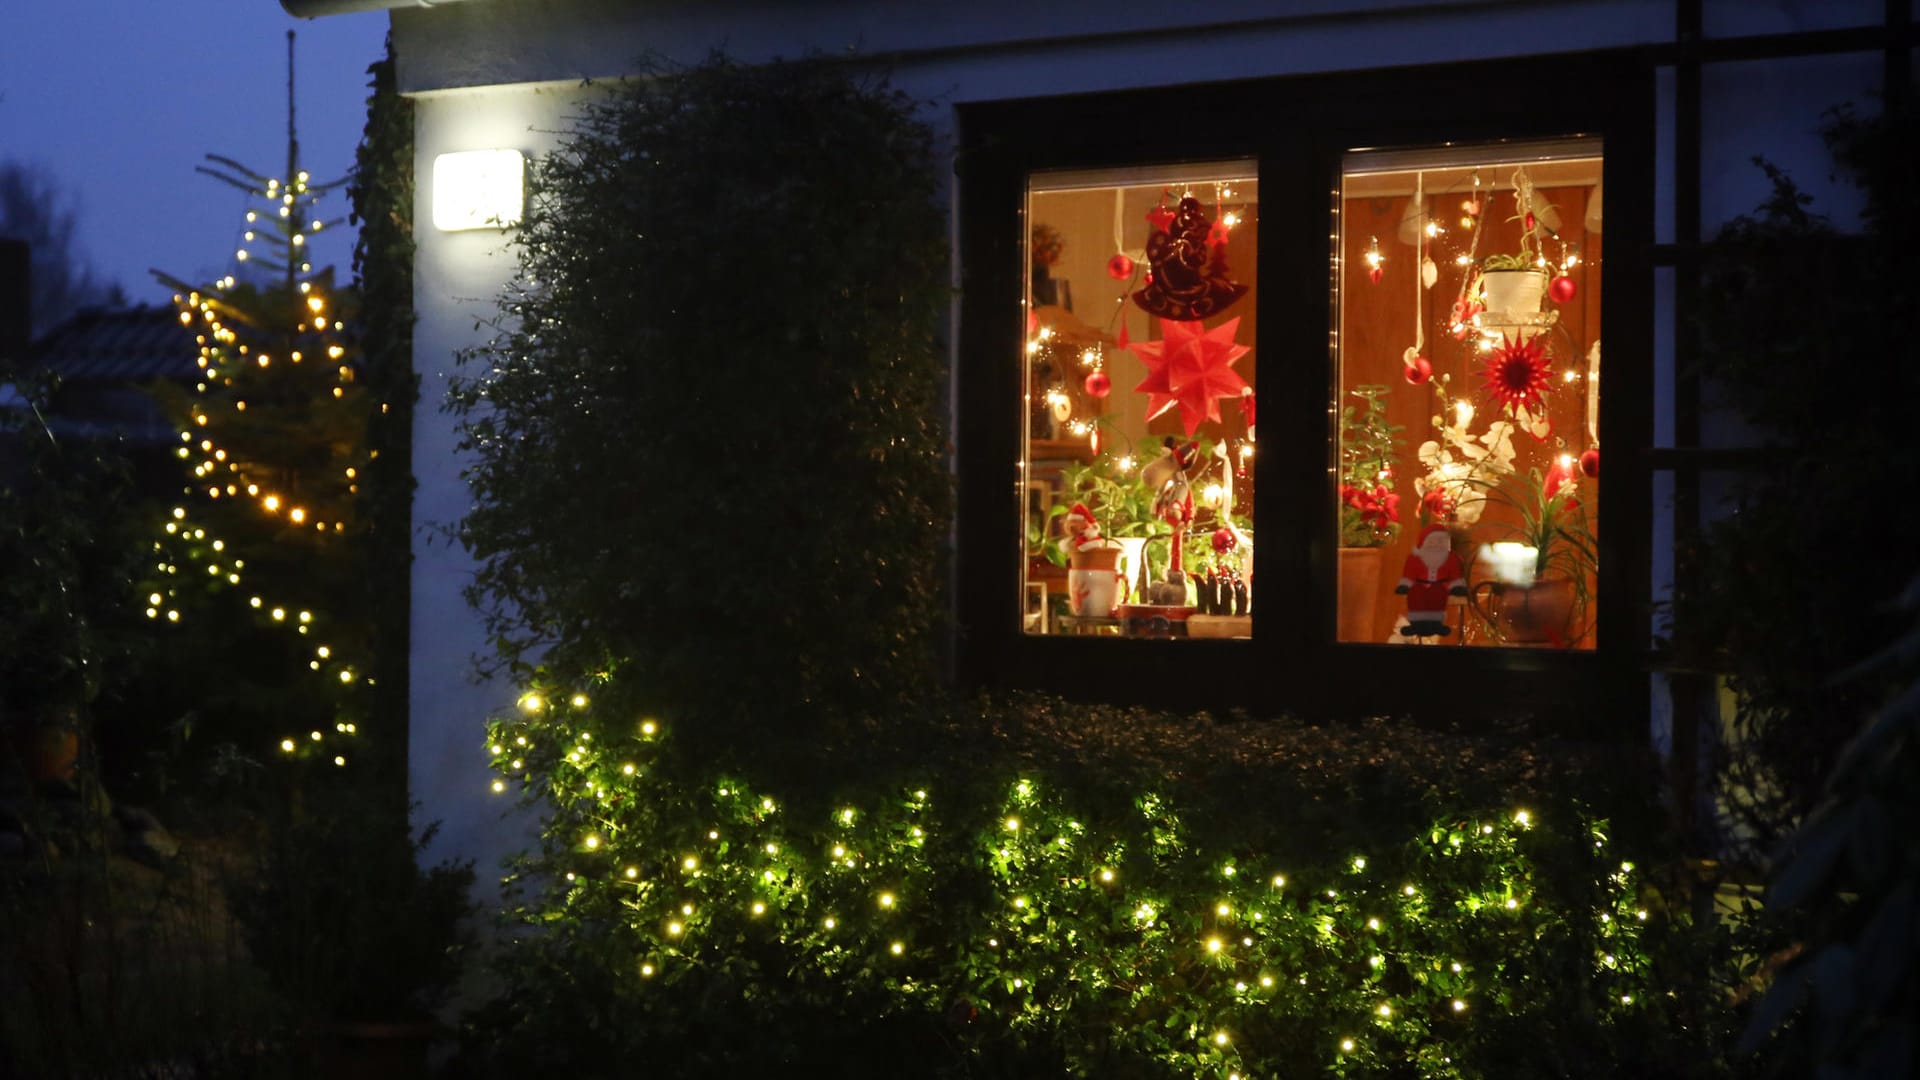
479 189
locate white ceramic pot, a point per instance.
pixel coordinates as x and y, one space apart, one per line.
1514 292
1094 581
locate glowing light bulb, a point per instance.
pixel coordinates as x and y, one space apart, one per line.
286 745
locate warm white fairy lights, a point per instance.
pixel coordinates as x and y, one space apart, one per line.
240 337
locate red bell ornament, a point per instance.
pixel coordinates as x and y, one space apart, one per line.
1375 273
1562 289
1098 385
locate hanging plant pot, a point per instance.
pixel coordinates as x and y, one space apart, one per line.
1513 292
1359 593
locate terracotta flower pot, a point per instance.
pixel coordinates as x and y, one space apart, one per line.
1536 614
1359 593
48 752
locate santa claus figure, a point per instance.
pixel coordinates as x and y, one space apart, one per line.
1079 527
1432 574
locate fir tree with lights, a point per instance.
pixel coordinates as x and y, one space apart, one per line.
262 559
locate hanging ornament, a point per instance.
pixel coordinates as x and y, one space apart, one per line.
1098 385
1247 409
1191 367
1374 270
1189 276
1033 322
1060 404
1559 475
1419 370
1429 272
1516 374
1590 462
1562 289
1120 268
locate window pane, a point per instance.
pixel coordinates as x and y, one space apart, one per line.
1138 471
1468 355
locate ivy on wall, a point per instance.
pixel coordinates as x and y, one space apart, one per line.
382 198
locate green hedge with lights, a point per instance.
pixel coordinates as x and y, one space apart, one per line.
711 496
983 922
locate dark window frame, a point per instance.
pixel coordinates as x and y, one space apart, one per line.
1298 128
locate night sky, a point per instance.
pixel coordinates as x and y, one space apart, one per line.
120 99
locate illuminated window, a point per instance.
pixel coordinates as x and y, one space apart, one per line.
1468 353
1138 428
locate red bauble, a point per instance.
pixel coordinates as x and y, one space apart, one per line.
1224 541
1033 322
1375 273
1120 268
1420 370
1098 384
1562 289
1590 463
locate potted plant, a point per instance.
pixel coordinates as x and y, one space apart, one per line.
1369 506
1539 591
1514 283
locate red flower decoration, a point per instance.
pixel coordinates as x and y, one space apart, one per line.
1436 504
1516 373
1379 508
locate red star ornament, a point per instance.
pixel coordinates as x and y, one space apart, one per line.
1193 368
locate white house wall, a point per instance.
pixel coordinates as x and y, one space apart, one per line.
457 275
506 74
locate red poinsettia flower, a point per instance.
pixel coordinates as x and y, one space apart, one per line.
1385 510
1516 374
1436 504
1379 508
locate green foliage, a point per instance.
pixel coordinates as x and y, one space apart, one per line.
708 423
1555 525
261 571
344 922
382 197
1368 446
1793 586
983 920
72 557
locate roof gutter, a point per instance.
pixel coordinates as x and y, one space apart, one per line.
314 9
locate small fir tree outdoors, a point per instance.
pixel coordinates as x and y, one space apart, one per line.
263 562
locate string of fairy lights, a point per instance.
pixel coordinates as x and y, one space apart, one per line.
853 897
234 349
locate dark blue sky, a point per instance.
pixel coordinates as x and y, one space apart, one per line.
120 99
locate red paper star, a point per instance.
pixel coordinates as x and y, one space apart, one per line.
1192 368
